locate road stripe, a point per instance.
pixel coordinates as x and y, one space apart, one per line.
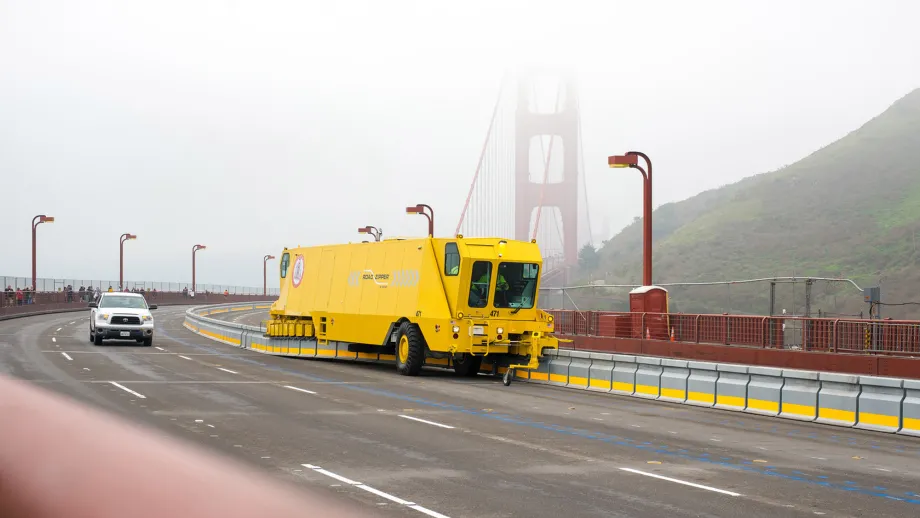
684 482
184 357
426 422
369 489
227 370
74 322
67 356
58 329
126 389
160 348
300 389
53 339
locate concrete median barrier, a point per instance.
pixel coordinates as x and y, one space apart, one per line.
601 372
701 384
764 391
880 402
731 388
800 395
910 409
673 384
838 399
579 369
872 403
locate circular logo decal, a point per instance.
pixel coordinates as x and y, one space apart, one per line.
297 276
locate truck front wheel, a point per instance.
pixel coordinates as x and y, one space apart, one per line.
466 364
410 350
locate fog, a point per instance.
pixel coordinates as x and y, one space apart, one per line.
248 126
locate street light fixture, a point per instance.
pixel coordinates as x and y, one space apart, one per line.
195 249
631 160
121 258
36 221
375 232
421 209
265 274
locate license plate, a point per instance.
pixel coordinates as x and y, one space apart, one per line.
479 330
125 333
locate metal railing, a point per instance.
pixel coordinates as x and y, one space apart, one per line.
884 337
59 285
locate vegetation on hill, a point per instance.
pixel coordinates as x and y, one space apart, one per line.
850 209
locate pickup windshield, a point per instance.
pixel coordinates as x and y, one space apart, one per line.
116 301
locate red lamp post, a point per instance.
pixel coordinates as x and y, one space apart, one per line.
631 159
36 221
375 232
121 258
265 274
195 249
424 210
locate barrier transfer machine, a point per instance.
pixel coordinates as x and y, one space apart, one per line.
460 298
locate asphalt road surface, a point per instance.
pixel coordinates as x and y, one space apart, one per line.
438 445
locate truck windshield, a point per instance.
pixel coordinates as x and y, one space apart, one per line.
479 284
516 286
115 301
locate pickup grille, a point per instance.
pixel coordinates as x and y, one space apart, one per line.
128 321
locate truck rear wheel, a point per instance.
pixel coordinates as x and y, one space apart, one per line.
466 364
410 350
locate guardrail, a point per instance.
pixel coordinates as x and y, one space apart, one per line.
852 336
44 303
885 404
52 285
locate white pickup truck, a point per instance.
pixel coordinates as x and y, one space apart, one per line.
124 316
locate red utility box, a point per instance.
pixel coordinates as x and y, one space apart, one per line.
652 301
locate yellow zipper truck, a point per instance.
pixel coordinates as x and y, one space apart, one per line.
462 298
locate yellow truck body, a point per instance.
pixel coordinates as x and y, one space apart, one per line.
463 298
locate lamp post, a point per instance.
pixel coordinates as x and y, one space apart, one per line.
121 258
631 159
375 232
36 221
421 209
195 249
265 274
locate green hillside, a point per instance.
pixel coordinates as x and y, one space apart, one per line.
851 209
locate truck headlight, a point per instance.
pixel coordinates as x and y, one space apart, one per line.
500 331
102 316
456 329
147 318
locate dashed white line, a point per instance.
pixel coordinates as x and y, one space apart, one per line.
184 357
53 339
227 370
381 494
299 389
683 482
159 348
67 356
210 426
59 329
72 323
126 389
432 423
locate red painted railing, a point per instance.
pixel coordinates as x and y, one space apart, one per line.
880 337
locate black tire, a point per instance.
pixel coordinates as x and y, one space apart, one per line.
409 355
91 338
148 341
97 339
466 364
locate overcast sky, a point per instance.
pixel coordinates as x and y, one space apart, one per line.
248 126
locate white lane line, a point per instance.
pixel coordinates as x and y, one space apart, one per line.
426 422
299 389
381 494
227 370
684 482
159 348
67 356
53 339
58 329
126 389
72 323
184 357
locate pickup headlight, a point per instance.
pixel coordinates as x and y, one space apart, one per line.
147 318
102 316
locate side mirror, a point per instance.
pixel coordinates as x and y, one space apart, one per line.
93 305
152 306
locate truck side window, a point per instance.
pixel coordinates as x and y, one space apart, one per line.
479 284
285 262
451 259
